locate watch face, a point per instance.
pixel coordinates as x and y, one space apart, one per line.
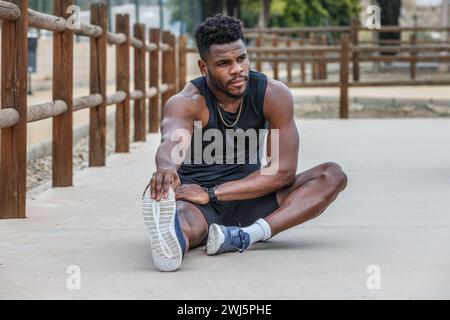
212 192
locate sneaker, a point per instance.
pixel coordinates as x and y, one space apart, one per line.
167 239
226 239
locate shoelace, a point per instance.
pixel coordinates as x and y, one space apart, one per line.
237 241
242 239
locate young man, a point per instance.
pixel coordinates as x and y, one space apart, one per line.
229 204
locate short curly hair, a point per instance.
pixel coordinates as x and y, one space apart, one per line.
217 30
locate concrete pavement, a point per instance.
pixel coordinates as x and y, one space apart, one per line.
394 214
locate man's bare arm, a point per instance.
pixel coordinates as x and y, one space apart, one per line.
179 114
279 111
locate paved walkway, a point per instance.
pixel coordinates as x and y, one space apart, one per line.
394 214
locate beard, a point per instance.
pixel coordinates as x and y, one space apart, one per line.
216 84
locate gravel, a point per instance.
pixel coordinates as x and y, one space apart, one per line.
358 111
39 171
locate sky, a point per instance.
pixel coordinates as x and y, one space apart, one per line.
428 2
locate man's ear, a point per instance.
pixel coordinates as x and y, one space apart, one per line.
202 67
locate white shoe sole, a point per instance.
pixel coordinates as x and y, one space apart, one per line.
215 239
159 216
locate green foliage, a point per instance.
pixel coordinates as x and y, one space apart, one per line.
250 10
296 13
283 13
190 12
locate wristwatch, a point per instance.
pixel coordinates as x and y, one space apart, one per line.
211 192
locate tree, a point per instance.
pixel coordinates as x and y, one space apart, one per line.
196 11
273 13
390 13
265 13
293 13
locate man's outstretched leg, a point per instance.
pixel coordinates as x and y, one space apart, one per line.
312 192
174 226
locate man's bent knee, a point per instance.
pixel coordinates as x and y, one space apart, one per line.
334 175
192 222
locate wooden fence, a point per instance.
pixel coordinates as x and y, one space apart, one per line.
165 77
311 45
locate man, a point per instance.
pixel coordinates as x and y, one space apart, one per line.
229 204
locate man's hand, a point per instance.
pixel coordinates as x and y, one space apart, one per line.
161 181
192 193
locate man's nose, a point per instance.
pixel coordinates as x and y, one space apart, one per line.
236 68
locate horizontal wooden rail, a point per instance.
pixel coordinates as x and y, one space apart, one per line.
163 88
434 58
302 59
116 97
89 30
8 117
45 21
295 30
136 43
270 36
384 83
53 23
136 94
85 102
150 47
116 38
151 92
164 47
194 50
312 84
46 110
392 41
303 49
403 48
9 11
395 83
293 59
250 32
409 29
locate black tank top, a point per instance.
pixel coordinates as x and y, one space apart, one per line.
198 167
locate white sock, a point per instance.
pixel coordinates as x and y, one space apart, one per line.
258 231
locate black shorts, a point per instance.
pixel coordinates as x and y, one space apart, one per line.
238 212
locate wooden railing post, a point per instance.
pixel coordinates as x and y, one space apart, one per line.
174 70
140 117
123 84
275 63
166 68
13 162
355 55
289 64
323 64
302 64
315 64
97 119
182 58
63 90
154 82
413 64
258 44
343 105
